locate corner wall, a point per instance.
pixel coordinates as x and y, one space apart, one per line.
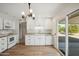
55 32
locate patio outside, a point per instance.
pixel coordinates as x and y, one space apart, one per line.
73 37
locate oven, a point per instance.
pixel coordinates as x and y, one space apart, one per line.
11 40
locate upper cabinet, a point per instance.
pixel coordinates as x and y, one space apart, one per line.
1 23
9 24
6 22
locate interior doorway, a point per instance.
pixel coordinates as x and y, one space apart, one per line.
22 32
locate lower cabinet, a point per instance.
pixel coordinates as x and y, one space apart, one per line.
27 40
49 40
7 42
32 40
38 40
42 40
3 44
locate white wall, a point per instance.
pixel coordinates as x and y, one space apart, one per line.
55 32
45 23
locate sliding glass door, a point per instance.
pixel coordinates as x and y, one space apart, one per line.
73 33
62 36
68 33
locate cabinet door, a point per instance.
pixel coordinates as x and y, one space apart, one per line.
42 40
27 40
0 46
3 44
32 40
49 40
1 23
37 40
9 24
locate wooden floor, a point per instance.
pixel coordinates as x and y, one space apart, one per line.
22 50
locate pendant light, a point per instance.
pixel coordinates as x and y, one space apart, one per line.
30 13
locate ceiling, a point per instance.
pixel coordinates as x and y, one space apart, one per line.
13 9
74 20
54 10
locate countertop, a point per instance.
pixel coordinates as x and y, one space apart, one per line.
38 34
4 35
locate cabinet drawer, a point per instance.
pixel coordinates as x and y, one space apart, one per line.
4 39
3 48
3 44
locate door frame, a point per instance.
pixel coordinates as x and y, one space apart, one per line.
66 35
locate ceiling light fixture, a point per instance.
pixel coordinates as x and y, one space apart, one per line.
23 13
30 13
33 15
31 10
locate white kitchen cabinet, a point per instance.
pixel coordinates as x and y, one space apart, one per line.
27 40
32 40
42 40
9 24
3 44
1 23
38 40
49 40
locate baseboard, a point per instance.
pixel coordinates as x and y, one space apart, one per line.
33 45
